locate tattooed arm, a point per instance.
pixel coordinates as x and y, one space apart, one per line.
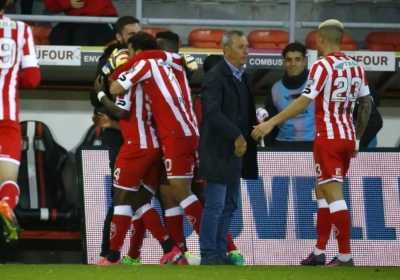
364 110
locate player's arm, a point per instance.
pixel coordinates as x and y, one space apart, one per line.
211 97
103 121
118 111
138 73
316 81
142 55
364 109
30 77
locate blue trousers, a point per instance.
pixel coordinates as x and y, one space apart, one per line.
221 203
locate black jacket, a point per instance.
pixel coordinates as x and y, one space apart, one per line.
220 127
111 137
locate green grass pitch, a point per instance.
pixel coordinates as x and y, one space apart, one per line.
148 272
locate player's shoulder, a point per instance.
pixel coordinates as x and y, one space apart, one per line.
7 22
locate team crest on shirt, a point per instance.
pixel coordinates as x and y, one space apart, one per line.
310 82
338 172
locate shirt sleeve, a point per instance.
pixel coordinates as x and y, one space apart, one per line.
316 80
124 101
138 73
364 88
29 58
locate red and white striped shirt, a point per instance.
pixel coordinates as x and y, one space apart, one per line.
138 130
335 82
16 49
168 94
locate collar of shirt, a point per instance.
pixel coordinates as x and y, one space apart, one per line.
235 71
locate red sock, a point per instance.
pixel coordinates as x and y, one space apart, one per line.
119 226
340 218
174 224
324 225
152 221
193 210
9 191
136 242
231 245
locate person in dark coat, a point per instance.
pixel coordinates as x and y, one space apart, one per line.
125 26
227 153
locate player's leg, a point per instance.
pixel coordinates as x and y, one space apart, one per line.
105 244
180 160
10 143
334 168
152 220
324 228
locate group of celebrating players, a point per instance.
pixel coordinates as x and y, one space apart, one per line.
153 103
146 88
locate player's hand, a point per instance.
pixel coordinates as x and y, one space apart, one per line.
240 146
99 84
356 148
189 62
262 115
77 4
101 120
117 58
261 130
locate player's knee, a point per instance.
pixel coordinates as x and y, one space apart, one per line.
123 197
167 197
8 171
332 191
181 189
141 198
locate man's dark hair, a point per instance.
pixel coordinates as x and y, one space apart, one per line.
125 20
143 41
171 40
3 4
211 61
295 47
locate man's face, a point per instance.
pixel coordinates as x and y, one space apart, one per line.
294 63
238 52
128 31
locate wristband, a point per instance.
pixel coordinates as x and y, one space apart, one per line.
100 95
357 145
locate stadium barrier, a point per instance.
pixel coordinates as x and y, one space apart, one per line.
275 222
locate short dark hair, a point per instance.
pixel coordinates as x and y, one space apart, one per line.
171 40
143 41
3 4
125 20
295 47
211 61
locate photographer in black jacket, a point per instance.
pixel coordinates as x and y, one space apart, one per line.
125 27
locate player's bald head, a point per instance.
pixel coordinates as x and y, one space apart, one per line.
332 30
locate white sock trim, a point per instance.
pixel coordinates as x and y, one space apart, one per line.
322 203
344 257
176 211
123 210
317 251
337 206
143 210
189 200
135 217
10 182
